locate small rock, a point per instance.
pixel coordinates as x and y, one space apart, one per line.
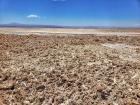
100 87
68 102
135 76
138 85
7 86
41 99
3 78
40 88
135 102
114 103
104 95
132 102
26 102
138 95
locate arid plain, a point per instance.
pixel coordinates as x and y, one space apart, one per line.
44 66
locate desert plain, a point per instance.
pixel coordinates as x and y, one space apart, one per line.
44 66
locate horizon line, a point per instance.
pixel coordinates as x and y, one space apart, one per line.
61 26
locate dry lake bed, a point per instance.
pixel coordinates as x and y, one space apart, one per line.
40 66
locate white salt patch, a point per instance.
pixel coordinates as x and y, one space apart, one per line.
135 76
118 46
125 52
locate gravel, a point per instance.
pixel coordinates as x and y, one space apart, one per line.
69 70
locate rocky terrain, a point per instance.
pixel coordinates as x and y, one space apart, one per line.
69 70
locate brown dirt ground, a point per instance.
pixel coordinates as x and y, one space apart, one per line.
69 70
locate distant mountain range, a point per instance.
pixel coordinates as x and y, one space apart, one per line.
29 25
54 26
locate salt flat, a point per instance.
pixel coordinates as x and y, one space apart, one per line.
64 31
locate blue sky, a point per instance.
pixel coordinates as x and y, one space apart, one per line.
71 12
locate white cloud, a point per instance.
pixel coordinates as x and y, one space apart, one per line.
33 16
137 25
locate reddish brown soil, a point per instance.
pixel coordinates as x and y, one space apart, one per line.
69 70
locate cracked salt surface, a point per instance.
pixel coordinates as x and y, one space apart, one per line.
119 46
60 32
126 52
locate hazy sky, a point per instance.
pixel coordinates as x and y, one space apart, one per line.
71 12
